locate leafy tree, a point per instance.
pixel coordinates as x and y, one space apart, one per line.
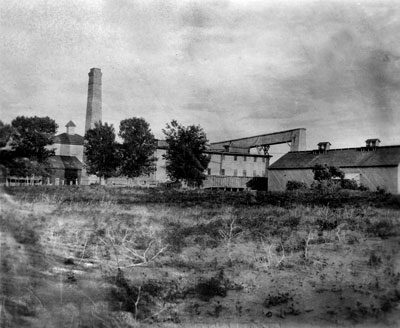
32 136
101 151
328 179
6 132
185 155
326 173
25 145
137 149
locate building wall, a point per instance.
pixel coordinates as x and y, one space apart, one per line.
235 165
252 167
371 177
62 176
277 179
68 150
160 175
383 177
230 166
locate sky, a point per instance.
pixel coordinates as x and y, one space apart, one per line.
236 68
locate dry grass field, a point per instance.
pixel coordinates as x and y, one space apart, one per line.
98 257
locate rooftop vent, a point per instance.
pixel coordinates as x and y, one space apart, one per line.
372 143
70 127
324 146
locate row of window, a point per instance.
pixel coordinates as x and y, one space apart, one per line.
235 172
235 157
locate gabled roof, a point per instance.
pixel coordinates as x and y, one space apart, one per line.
348 157
65 162
70 123
68 139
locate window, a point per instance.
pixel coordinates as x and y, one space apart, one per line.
222 157
244 158
235 158
254 173
255 159
222 171
263 159
235 172
209 171
244 173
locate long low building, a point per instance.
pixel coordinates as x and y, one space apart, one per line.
373 166
229 170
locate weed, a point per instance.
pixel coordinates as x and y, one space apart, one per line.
278 299
390 301
374 260
138 300
269 258
383 228
215 286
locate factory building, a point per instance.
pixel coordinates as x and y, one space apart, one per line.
235 162
372 165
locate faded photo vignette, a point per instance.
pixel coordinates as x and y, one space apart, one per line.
200 163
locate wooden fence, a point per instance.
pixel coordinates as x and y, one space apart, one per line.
228 182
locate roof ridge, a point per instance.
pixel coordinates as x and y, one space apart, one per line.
343 157
348 148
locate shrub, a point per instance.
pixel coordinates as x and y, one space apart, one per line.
292 222
363 188
258 183
215 286
328 223
295 185
178 235
381 190
325 173
374 260
326 186
349 184
383 229
274 300
139 300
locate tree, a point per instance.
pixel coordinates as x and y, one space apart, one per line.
6 132
25 145
326 173
32 137
101 151
185 156
327 178
137 149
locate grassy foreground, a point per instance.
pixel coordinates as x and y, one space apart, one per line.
121 257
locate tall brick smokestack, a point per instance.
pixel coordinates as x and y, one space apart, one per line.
93 110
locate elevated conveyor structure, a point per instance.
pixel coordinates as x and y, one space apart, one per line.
296 138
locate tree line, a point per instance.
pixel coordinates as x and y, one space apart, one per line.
25 149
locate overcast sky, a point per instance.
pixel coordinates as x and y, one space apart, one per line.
237 68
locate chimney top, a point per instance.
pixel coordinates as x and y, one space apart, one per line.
95 70
372 142
323 146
